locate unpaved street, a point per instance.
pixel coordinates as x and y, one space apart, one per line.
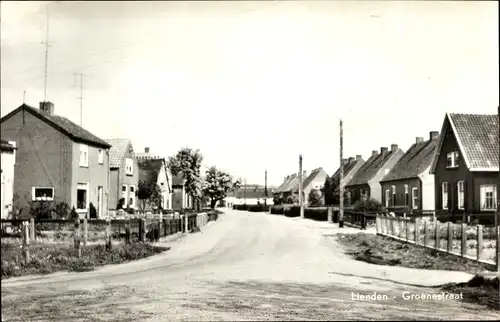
245 266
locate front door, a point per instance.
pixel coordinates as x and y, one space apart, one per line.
99 201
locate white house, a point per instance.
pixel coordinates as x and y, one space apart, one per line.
154 168
8 160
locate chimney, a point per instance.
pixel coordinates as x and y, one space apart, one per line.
304 174
394 147
374 153
351 159
47 107
146 149
345 161
358 157
419 139
433 135
384 150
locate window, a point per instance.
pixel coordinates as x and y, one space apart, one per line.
444 194
101 156
387 197
407 196
488 197
129 166
124 195
414 198
84 155
393 195
82 198
452 159
132 197
460 193
42 193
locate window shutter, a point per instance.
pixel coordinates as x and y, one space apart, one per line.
466 206
482 197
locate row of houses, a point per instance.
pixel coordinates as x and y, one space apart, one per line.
455 170
48 157
250 194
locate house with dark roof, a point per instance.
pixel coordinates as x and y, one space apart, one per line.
366 182
351 167
287 188
251 195
124 175
57 160
409 184
153 169
180 198
315 180
466 164
8 159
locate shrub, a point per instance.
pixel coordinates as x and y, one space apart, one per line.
277 200
41 209
73 213
319 213
92 211
120 204
315 198
62 210
131 211
368 205
277 210
292 199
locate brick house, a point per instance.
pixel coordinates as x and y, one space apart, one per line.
315 180
124 175
409 183
153 168
466 164
366 182
180 198
351 167
57 160
8 159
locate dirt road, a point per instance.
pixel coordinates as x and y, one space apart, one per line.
245 266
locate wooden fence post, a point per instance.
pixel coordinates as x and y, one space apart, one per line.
32 229
377 224
449 245
436 235
85 231
407 228
76 236
463 246
416 225
479 244
401 227
393 226
497 233
426 233
26 241
128 237
109 235
388 225
186 224
142 230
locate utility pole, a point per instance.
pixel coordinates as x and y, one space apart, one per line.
301 201
46 53
24 97
341 180
497 227
265 190
81 95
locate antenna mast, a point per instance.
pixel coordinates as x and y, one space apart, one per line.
46 53
81 96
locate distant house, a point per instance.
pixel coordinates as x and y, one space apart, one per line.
124 175
409 183
351 167
315 180
180 198
8 160
466 165
252 195
153 169
57 159
287 188
366 182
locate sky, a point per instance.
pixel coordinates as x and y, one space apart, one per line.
255 84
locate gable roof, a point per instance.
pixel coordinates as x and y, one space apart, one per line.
310 178
62 124
477 138
291 184
370 168
149 169
117 151
253 192
414 162
284 184
347 168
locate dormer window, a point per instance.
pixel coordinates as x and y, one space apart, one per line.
452 160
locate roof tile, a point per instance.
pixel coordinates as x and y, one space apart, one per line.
117 151
370 168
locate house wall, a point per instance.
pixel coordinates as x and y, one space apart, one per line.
400 192
7 164
252 201
374 183
43 159
355 192
95 175
163 183
478 179
319 180
126 179
428 190
114 188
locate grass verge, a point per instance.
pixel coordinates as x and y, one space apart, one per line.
46 259
382 250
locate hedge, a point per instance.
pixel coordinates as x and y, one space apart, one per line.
315 213
252 208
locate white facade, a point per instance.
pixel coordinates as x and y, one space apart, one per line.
428 188
166 188
252 201
8 160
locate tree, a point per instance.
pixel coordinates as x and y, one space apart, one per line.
188 162
277 200
292 199
217 184
314 198
148 193
328 192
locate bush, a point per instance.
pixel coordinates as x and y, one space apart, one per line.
293 199
318 213
41 209
62 210
315 198
74 214
131 211
277 210
367 205
92 211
